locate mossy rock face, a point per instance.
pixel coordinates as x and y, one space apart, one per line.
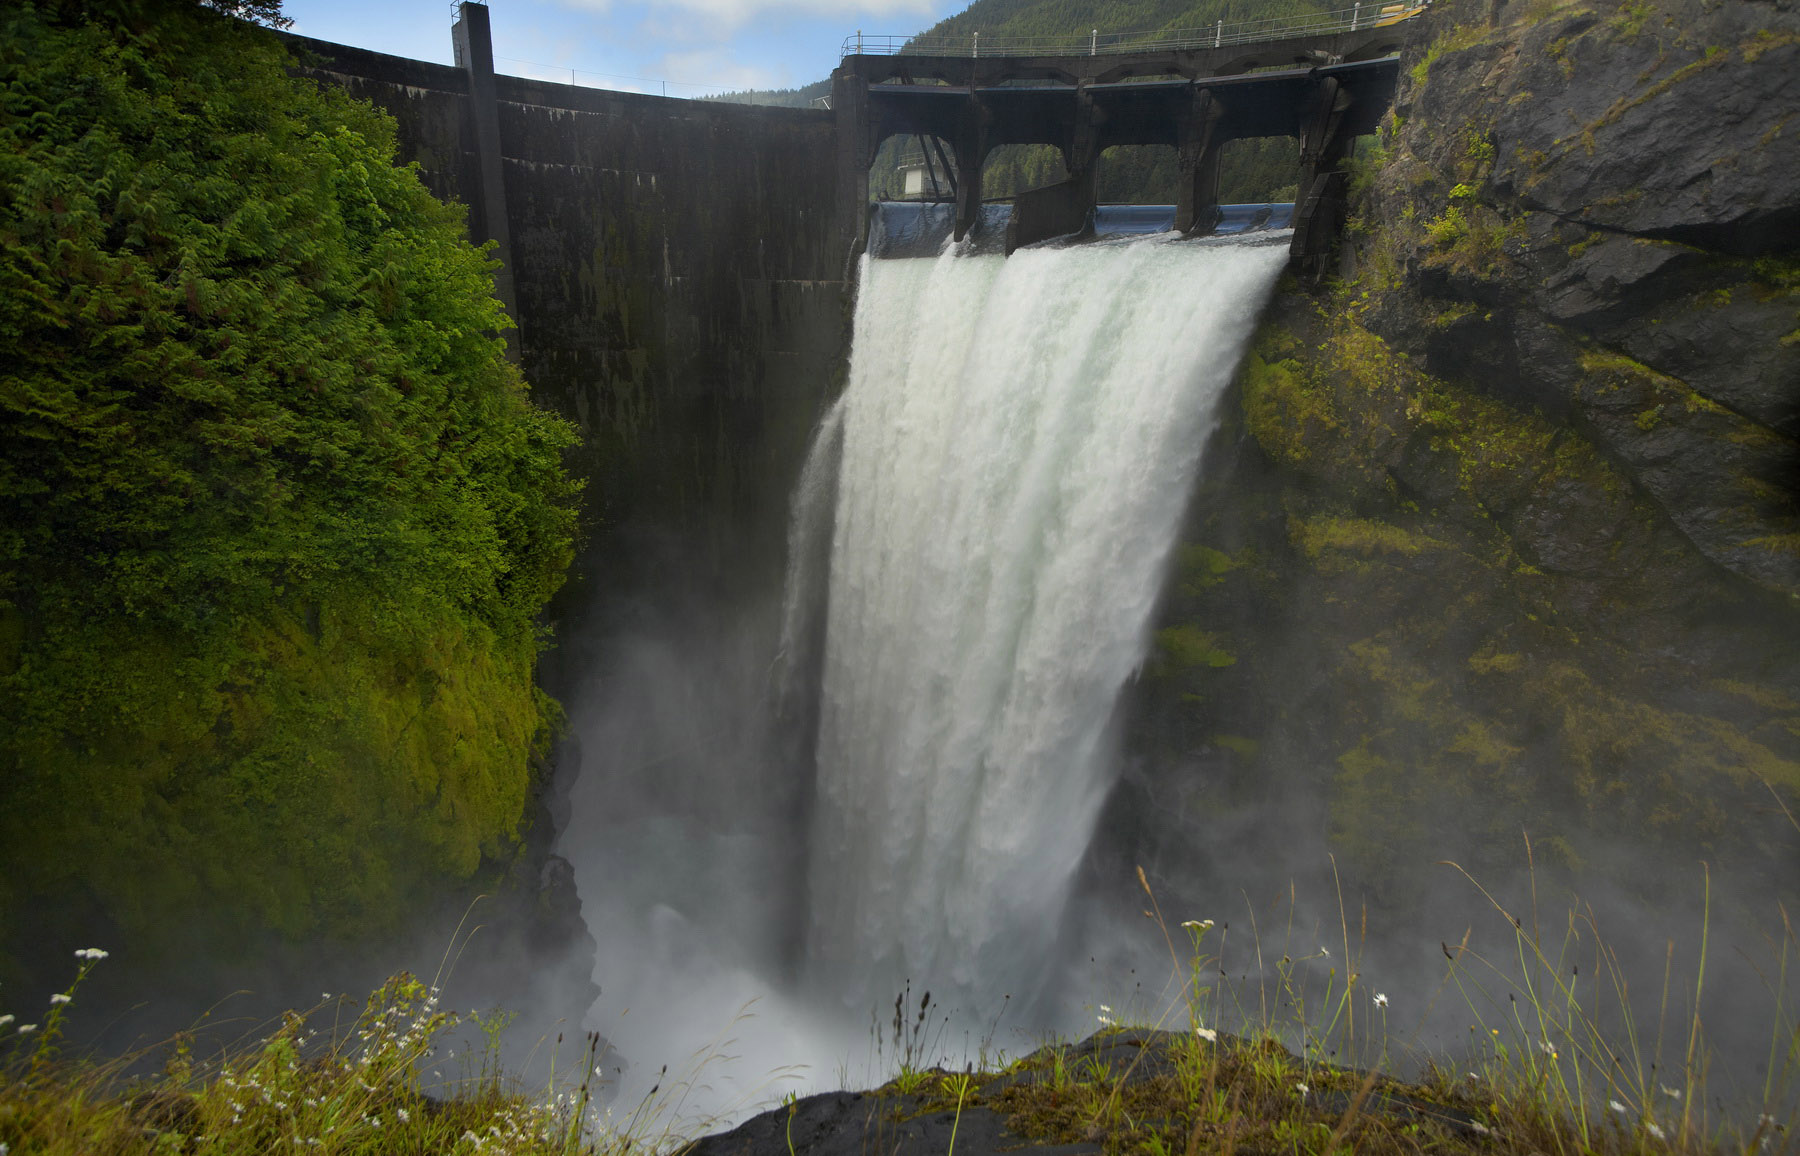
1556 219
1451 620
1509 511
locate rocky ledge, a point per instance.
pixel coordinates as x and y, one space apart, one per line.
1119 1091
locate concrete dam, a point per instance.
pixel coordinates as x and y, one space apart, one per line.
680 270
861 588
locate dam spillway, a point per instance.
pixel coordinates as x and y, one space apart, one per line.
977 544
1019 439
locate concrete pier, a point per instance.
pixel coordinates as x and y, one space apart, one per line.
1333 89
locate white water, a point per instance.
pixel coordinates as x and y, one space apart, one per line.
980 531
1019 439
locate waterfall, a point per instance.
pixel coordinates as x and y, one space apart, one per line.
784 816
1019 438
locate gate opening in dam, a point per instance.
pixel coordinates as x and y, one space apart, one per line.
1323 84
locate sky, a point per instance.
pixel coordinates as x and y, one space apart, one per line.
676 47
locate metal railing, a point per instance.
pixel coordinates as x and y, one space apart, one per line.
1097 43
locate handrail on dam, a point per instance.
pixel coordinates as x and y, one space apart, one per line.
1354 19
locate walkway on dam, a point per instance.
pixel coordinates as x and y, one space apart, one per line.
1323 79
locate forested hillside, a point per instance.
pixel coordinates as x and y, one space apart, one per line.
279 515
1075 17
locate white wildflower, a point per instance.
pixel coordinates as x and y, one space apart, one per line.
58 998
1672 1093
1325 951
1548 1048
1198 924
1480 1128
27 1029
1617 1107
403 1114
1655 1131
1302 1089
1207 1034
5 1019
1107 1020
91 954
1104 1008
1380 999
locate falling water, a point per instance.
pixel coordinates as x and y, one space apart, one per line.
892 775
1019 439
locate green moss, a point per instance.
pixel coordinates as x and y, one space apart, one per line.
1283 408
1480 741
1559 850
1454 39
1491 661
1788 544
1630 19
1782 273
1237 744
1451 314
1767 698
1374 811
1185 646
1607 736
1596 359
1713 57
1199 568
1319 536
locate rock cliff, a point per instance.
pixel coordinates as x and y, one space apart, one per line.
1501 533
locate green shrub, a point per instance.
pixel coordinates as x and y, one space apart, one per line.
280 515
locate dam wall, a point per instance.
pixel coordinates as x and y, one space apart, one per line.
677 275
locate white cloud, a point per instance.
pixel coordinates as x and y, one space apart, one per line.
728 16
720 72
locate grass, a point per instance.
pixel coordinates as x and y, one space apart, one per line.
1556 1065
1300 1061
317 1082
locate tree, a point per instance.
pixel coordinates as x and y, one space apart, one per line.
279 516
